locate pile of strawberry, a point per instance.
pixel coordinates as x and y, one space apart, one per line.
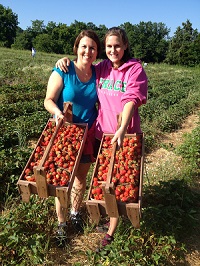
62 156
126 170
39 150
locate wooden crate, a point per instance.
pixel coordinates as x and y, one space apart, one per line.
28 186
109 204
40 186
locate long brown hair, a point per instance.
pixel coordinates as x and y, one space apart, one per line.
90 34
116 31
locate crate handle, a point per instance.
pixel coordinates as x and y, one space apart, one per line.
67 111
110 170
115 145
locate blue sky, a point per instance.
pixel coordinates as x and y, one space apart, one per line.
107 12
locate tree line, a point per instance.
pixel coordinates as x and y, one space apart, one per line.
148 41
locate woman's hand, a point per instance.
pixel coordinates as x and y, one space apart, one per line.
123 120
58 114
119 137
58 117
63 64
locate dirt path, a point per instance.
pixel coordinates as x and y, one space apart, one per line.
171 140
162 156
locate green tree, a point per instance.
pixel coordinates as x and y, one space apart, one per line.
43 43
101 31
23 40
63 37
50 27
91 26
8 26
184 46
148 41
196 49
76 27
38 26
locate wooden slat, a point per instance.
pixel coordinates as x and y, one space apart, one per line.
41 182
110 170
25 191
63 196
93 210
141 177
68 111
133 214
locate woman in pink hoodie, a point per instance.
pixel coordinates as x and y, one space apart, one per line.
121 87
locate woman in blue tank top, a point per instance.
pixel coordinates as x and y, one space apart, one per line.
77 86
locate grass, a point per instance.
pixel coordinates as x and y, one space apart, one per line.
170 203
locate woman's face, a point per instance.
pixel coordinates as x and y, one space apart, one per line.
115 50
87 50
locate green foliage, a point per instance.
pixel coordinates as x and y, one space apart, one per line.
15 161
25 232
184 46
8 26
190 151
23 127
20 108
172 207
23 41
148 40
173 94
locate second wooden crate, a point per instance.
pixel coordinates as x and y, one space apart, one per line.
116 185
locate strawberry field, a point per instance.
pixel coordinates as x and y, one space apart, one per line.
171 196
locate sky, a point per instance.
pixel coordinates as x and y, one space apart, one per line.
107 12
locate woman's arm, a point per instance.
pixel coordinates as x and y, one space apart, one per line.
63 64
135 96
54 87
126 116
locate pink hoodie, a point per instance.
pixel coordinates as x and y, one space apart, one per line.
116 87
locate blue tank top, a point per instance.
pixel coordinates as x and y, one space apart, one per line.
82 95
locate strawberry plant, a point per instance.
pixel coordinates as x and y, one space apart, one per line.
190 151
14 110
